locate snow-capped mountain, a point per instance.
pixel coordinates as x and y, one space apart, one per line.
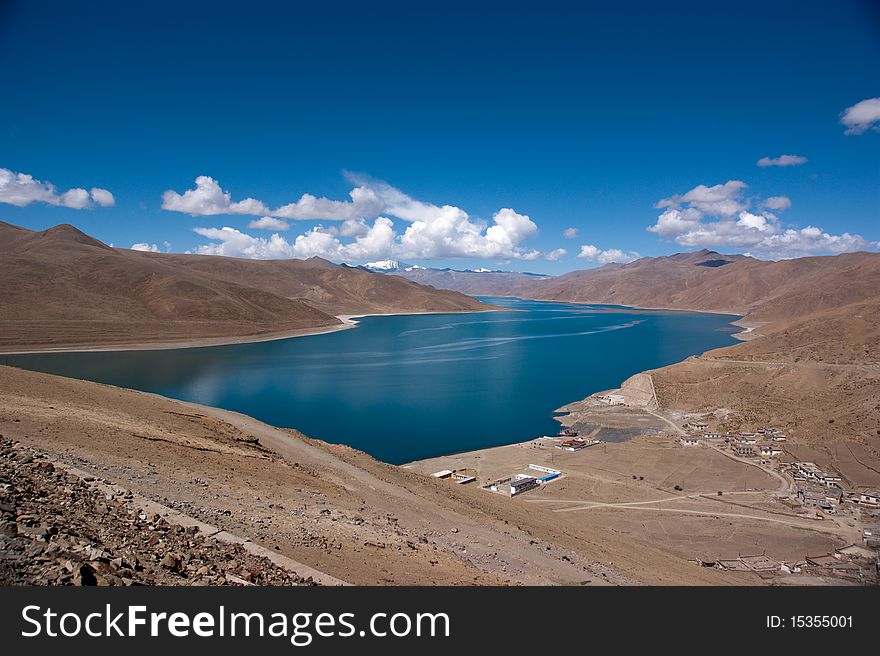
390 266
383 265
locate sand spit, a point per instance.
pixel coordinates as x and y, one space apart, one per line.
346 321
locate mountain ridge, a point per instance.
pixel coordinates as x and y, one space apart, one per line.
65 288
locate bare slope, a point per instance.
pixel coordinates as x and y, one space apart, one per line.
330 507
817 377
489 283
63 288
337 289
705 280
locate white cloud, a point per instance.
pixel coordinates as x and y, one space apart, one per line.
449 232
434 231
718 200
596 254
364 203
862 116
77 199
778 203
22 189
142 246
570 233
234 243
208 199
269 223
102 197
376 241
353 228
811 241
782 160
760 231
674 222
555 254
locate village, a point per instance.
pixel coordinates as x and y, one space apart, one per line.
813 490
803 491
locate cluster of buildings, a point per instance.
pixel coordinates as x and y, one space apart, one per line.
460 476
576 444
518 483
854 563
815 487
765 443
824 490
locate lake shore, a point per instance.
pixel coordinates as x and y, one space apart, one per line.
346 321
332 508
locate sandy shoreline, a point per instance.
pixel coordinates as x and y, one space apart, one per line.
182 344
348 321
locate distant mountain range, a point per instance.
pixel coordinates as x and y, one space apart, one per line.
396 266
62 287
467 281
703 280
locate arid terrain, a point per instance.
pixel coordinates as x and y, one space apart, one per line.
693 503
761 290
639 507
64 289
328 507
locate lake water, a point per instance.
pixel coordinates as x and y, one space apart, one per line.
408 387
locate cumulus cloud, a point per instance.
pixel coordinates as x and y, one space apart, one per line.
718 200
22 189
102 197
269 223
778 203
208 199
782 160
685 221
810 241
862 116
433 231
364 203
377 240
570 233
555 254
148 248
353 228
449 232
596 254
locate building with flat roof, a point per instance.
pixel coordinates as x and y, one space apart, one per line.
520 485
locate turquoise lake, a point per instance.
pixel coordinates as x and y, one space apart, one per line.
408 387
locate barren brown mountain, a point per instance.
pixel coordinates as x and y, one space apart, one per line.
62 288
491 283
705 280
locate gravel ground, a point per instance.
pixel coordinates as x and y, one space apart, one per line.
57 529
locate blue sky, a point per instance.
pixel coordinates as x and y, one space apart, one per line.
476 133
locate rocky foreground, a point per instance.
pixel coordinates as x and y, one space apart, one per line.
59 529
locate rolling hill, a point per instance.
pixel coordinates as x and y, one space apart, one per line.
760 290
63 288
